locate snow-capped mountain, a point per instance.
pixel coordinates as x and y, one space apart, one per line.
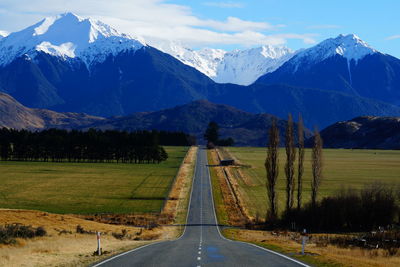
68 63
67 36
346 64
350 47
241 67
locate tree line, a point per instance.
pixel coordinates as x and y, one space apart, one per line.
57 145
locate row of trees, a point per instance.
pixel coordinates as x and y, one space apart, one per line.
272 167
88 146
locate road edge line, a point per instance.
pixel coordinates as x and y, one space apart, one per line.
254 245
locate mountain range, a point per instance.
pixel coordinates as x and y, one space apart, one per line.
241 67
70 64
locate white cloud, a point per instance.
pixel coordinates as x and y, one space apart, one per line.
393 37
154 20
235 24
224 4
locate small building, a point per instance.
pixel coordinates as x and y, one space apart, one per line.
227 162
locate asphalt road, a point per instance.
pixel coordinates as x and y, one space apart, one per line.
201 244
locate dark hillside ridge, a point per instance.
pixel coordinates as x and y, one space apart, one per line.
363 132
16 116
245 128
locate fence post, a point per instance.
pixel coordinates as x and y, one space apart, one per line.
304 240
98 244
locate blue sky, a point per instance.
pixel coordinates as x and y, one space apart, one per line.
227 24
374 21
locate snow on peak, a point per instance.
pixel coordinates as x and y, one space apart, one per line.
3 34
245 66
205 60
348 46
67 36
239 66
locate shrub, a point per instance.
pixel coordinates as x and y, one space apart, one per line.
40 231
9 232
349 210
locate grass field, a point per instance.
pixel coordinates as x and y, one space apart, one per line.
85 188
342 168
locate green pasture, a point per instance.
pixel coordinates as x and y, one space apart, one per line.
88 188
343 168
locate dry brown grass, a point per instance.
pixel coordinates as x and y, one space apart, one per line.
177 204
54 223
231 175
236 215
65 250
63 246
352 257
181 186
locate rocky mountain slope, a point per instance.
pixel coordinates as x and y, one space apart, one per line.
16 116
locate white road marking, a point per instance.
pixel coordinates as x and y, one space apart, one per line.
201 209
198 258
199 252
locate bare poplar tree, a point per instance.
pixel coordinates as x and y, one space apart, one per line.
316 167
300 166
272 168
289 166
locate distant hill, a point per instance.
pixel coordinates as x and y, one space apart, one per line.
14 115
363 132
245 128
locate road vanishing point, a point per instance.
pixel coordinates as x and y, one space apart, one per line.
201 243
